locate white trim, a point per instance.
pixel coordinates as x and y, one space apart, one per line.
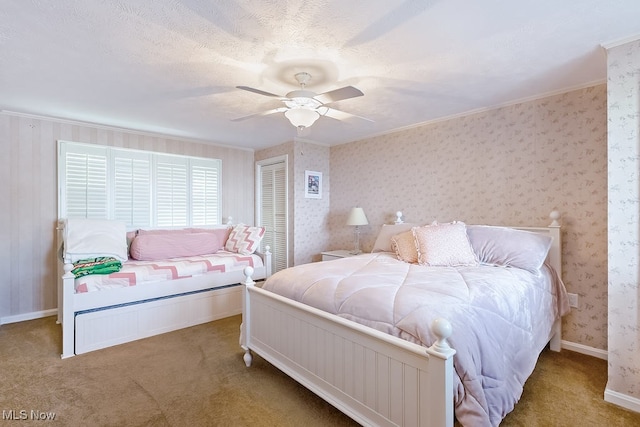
28 316
115 128
620 399
481 110
584 349
620 42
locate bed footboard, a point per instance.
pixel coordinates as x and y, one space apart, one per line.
374 378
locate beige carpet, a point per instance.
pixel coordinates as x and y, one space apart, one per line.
196 377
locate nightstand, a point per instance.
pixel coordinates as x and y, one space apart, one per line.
331 255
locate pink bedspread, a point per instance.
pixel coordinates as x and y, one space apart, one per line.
135 273
502 318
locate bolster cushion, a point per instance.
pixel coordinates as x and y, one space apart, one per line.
149 247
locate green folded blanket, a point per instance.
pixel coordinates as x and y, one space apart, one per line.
100 265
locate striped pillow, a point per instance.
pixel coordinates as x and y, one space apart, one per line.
244 239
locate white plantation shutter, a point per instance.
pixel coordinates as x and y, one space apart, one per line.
205 193
132 187
140 188
172 199
273 212
85 175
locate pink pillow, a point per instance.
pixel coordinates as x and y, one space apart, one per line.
444 245
156 246
221 233
244 239
404 245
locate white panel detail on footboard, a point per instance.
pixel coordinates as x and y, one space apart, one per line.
376 379
103 328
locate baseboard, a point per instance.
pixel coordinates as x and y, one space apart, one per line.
584 349
28 316
623 400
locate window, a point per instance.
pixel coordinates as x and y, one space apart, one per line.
141 188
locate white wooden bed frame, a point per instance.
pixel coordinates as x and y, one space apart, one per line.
100 319
374 378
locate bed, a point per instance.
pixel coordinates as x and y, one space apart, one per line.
153 294
391 341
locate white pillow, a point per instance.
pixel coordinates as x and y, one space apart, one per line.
509 247
92 238
383 241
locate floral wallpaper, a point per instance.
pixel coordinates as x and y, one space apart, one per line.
623 66
507 166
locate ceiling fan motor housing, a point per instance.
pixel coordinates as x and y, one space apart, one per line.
302 99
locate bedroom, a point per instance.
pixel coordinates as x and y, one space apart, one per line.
575 174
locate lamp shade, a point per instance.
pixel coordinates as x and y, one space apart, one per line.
301 117
357 217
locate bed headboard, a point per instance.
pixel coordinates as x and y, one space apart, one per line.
554 257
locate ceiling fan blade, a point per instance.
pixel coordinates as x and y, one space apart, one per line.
339 115
260 92
264 113
338 94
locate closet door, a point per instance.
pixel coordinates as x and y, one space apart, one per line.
272 209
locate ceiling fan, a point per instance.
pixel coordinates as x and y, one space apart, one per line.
303 107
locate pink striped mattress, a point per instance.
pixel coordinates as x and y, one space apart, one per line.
135 273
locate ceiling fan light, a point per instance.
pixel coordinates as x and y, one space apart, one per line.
301 117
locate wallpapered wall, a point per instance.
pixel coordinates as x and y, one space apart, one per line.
508 166
29 196
623 64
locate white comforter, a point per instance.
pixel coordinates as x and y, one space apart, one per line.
502 318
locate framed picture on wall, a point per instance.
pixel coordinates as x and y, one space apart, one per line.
313 185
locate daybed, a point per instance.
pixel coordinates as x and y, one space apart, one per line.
179 278
402 337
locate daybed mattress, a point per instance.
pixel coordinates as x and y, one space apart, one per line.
502 317
135 273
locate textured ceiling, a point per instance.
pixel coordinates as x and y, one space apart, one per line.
172 66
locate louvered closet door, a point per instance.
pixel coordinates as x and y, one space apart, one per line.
273 211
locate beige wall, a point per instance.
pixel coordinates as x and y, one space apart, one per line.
29 198
623 64
508 166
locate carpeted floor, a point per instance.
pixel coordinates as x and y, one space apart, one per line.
196 377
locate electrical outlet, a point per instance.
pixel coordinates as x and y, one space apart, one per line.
573 300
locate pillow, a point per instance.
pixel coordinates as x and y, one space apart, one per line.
404 245
509 247
221 233
383 241
157 246
244 239
93 238
444 245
